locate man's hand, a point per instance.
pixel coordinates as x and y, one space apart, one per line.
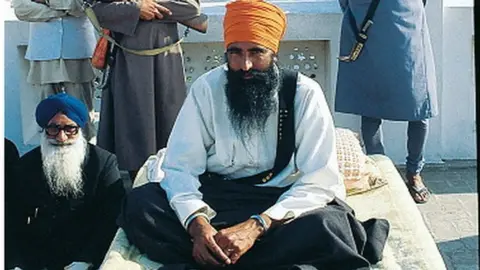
205 249
237 240
149 10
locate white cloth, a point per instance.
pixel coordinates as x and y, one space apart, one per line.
203 140
153 166
78 266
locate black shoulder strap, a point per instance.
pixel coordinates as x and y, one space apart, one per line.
286 129
360 34
286 122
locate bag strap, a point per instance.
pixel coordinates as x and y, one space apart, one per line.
285 135
93 19
360 34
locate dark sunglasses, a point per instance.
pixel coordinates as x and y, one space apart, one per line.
53 129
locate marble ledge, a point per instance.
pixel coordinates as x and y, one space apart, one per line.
306 20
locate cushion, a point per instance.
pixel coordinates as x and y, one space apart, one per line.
359 172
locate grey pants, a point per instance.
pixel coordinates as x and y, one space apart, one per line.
416 138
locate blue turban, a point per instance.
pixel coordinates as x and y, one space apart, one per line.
72 107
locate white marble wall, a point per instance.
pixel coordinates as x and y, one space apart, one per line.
458 106
16 68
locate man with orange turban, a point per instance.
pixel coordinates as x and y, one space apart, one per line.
250 178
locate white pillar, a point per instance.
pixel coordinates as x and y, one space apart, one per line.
458 102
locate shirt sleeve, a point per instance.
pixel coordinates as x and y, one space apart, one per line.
315 158
27 10
121 17
73 7
185 11
181 10
186 155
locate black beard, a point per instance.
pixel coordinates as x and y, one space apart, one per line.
251 101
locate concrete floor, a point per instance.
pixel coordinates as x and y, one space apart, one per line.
452 212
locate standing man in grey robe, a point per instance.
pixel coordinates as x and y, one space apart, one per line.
60 46
145 92
393 78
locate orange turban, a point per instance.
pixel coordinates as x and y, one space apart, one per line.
254 21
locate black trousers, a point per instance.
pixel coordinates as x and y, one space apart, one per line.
327 238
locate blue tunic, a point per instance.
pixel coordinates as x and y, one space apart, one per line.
66 37
394 76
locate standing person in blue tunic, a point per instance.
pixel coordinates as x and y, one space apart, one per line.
393 77
60 45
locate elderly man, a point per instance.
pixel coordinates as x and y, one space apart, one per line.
68 193
251 178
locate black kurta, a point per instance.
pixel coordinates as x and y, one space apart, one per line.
11 162
52 231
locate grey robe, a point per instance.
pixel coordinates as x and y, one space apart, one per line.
146 92
394 76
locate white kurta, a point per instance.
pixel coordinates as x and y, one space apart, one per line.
204 140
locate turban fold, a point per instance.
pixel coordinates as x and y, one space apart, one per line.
72 107
254 21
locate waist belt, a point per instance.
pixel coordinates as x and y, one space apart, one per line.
360 34
150 52
285 135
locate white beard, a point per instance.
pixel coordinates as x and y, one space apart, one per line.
62 165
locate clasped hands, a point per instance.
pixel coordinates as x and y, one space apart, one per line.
150 9
220 248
